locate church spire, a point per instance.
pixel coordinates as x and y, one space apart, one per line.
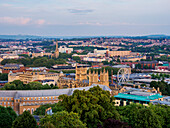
56 54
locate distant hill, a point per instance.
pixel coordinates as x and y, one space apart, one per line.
19 37
24 37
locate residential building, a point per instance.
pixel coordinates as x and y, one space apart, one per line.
64 49
117 53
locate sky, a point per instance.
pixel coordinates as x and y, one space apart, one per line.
84 17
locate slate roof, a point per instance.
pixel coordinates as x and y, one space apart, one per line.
42 93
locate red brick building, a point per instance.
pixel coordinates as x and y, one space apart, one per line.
13 67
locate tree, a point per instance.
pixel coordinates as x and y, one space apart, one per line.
9 86
129 113
7 116
163 86
112 123
3 76
76 58
93 106
62 119
26 120
147 119
35 85
57 107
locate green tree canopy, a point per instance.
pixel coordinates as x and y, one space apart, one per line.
7 116
55 108
62 119
26 120
147 118
93 106
3 76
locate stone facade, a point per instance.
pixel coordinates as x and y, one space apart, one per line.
81 73
27 77
94 78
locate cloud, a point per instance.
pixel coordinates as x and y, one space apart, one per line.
80 11
90 23
17 20
21 21
6 5
40 22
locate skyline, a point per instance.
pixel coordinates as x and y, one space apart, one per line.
84 18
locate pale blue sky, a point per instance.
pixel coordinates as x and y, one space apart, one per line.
85 17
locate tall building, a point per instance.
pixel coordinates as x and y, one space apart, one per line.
94 78
56 53
81 73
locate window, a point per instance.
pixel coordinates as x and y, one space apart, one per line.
28 99
35 98
31 98
24 98
53 97
32 111
38 98
8 103
50 98
46 98
4 103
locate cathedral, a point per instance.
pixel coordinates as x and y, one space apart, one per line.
82 79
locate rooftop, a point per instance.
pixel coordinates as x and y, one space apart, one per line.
42 93
139 97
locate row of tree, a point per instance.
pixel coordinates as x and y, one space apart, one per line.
19 85
160 76
163 86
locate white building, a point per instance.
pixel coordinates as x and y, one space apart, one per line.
64 49
100 51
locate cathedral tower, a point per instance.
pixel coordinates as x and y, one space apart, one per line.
94 79
81 73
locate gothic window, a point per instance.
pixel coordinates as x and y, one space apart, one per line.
32 111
